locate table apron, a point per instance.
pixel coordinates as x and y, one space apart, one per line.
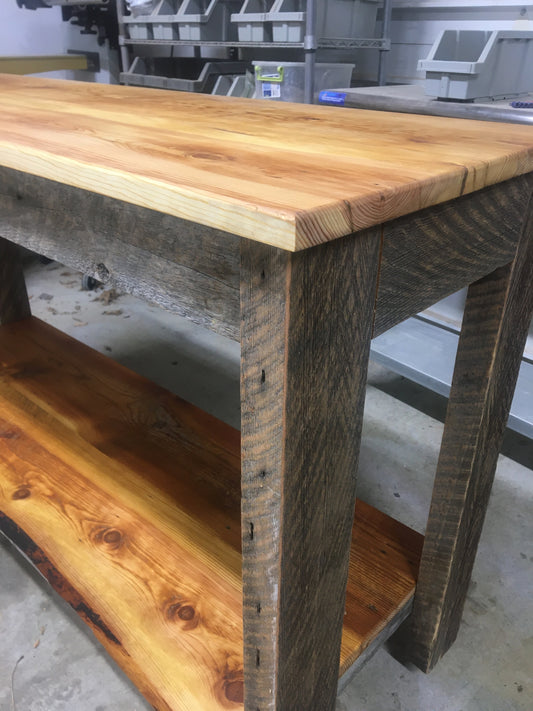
194 270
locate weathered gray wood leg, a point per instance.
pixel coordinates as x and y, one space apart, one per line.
496 320
306 321
14 304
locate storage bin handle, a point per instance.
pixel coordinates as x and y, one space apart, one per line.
275 77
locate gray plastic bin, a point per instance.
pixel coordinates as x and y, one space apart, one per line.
207 20
284 81
252 23
477 64
158 23
140 30
335 18
180 74
233 86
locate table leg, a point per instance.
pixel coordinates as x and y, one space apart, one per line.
495 324
14 304
306 321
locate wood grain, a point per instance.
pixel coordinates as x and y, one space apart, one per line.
126 491
379 577
194 270
287 175
497 316
186 268
127 499
433 253
305 339
14 304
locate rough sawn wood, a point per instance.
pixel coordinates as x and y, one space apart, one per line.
305 339
498 312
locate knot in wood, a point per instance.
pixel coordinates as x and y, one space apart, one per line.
9 434
111 537
186 612
22 492
235 691
180 611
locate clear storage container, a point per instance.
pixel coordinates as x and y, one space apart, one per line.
284 81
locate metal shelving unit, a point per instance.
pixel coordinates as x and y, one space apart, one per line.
310 44
333 43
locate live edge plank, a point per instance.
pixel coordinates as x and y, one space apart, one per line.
127 500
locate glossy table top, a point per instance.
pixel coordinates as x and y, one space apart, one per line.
288 175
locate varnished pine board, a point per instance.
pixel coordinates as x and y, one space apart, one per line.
287 175
125 495
127 499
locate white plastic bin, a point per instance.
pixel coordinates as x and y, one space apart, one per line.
478 64
284 81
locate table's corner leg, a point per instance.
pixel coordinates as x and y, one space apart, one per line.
14 303
306 321
495 325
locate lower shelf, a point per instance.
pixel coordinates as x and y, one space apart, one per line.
127 500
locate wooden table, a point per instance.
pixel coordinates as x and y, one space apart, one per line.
303 231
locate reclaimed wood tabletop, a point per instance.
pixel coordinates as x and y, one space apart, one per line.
221 581
291 176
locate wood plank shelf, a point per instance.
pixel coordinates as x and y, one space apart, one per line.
127 499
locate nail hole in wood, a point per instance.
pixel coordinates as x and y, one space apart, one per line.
251 531
258 608
263 376
263 274
257 658
262 473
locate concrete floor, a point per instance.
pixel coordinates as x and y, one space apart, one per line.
490 668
